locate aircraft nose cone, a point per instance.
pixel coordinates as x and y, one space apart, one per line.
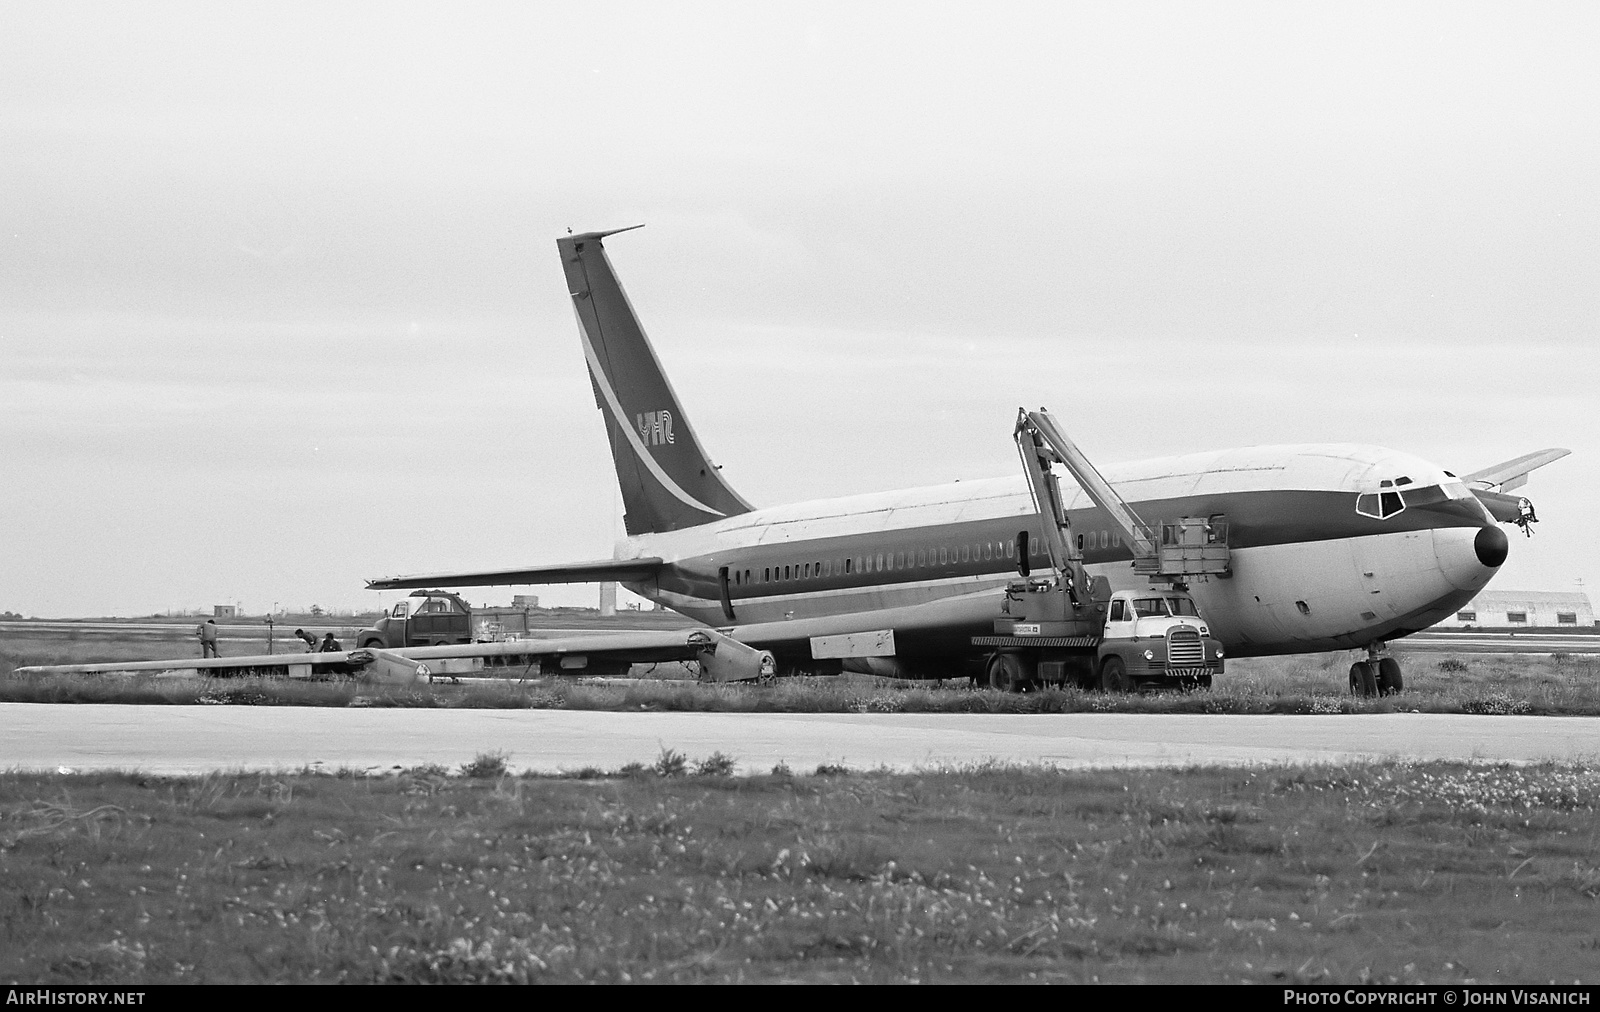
1491 544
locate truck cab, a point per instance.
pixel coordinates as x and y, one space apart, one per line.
426 618
1156 634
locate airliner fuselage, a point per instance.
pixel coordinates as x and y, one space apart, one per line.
1321 558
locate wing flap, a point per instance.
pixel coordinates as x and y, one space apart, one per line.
598 571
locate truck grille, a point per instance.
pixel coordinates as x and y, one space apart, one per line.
1184 647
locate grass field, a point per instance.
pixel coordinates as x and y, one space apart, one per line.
1386 873
1441 683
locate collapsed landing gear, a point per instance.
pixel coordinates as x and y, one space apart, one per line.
1376 676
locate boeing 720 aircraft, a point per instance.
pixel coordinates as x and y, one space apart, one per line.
1333 545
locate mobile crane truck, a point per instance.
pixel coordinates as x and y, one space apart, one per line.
1066 626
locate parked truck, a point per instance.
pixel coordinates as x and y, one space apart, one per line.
1064 626
427 618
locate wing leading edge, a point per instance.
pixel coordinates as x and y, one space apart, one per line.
1512 474
598 571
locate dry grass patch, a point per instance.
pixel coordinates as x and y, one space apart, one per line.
1433 873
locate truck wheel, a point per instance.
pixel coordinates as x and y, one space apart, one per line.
1389 678
1363 681
373 644
1005 673
1114 676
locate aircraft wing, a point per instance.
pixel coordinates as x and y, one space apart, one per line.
598 571
723 657
296 665
1511 474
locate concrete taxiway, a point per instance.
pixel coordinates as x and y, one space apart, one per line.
199 739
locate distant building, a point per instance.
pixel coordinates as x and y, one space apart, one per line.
1518 609
224 610
525 600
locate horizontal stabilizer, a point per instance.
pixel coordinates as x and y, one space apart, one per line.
1512 474
598 571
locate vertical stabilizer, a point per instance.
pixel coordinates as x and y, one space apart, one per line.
668 482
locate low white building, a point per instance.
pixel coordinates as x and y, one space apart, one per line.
1525 609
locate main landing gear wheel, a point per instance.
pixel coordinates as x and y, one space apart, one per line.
1388 677
1114 676
1363 679
1005 673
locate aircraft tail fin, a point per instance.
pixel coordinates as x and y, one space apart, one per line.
668 482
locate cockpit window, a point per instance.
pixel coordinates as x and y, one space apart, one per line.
1380 505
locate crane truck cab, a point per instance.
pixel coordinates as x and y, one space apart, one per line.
426 618
1158 635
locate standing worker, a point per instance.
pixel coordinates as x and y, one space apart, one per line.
207 632
309 640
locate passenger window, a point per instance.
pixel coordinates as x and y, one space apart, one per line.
808 570
944 555
922 558
880 562
847 566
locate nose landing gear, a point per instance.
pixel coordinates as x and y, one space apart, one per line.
1376 676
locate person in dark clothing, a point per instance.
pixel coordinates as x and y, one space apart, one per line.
207 632
329 645
309 640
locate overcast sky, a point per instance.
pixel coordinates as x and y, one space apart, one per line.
280 308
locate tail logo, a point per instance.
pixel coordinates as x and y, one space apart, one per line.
655 427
